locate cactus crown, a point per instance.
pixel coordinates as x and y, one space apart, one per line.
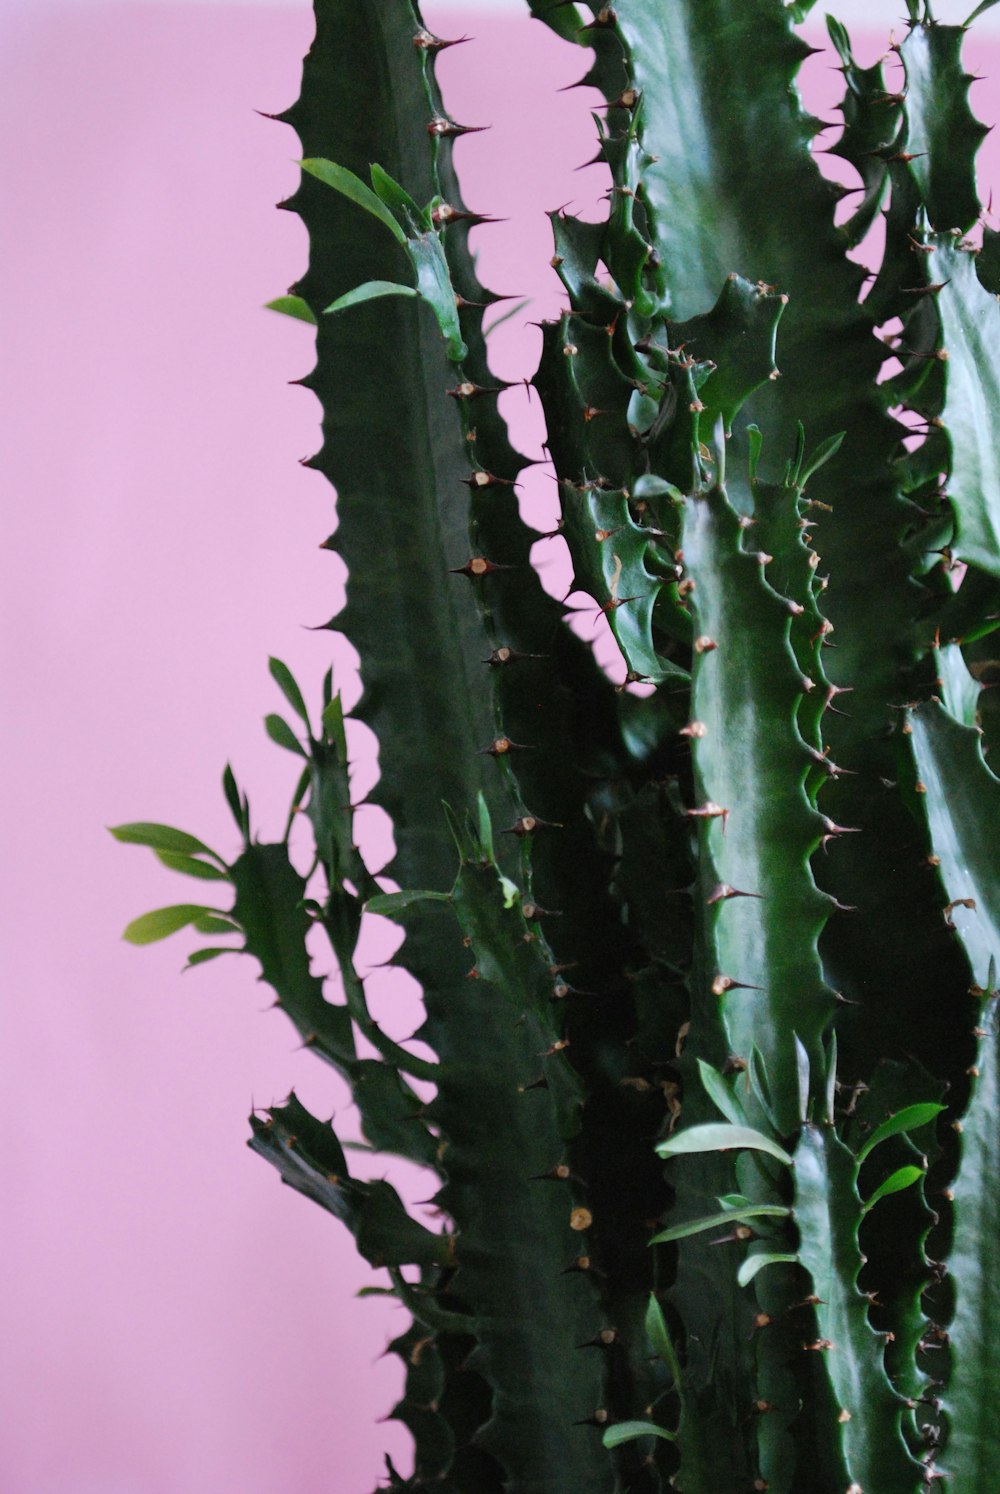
707 955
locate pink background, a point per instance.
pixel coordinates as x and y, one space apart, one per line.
173 1321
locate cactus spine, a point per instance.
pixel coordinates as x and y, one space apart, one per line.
714 1139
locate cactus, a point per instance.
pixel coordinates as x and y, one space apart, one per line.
708 955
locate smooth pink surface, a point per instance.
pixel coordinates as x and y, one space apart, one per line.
174 1322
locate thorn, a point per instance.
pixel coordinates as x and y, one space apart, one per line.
600 1417
478 565
501 746
562 989
605 17
924 290
696 729
447 129
504 655
558 1174
483 479
627 99
602 1340
540 1083
528 824
427 42
723 983
722 891
739 1235
532 912
445 214
959 902
468 390
709 811
833 829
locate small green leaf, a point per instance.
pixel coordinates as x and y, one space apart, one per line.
162 922
755 1263
831 1077
729 1216
202 956
903 1177
986 5
370 291
755 440
720 1093
499 321
824 452
628 1431
660 1341
396 197
717 1138
285 680
301 789
216 922
511 891
353 187
160 838
389 903
190 867
485 827
909 1119
802 1075
292 306
651 486
279 731
434 282
232 794
333 726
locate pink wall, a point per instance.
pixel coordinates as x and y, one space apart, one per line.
174 1322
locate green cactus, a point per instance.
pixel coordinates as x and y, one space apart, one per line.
708 959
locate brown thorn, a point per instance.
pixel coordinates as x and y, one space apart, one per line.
504 655
723 891
527 824
427 42
448 130
478 566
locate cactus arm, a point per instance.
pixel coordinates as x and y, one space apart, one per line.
310 1159
508 1104
970 1395
762 975
416 628
942 134
871 118
866 1408
970 333
961 800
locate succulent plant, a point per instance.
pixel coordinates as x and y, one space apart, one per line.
707 955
